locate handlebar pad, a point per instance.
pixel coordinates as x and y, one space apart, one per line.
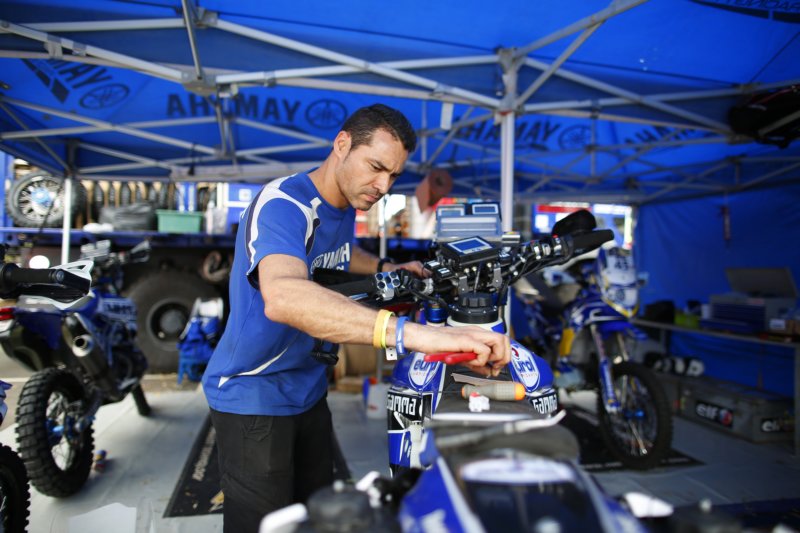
586 242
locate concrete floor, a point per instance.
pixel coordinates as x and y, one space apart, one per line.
146 456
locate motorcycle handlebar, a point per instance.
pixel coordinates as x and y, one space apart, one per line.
15 280
589 241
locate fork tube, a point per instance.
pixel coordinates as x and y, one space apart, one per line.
604 370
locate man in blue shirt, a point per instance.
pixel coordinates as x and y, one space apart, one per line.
266 391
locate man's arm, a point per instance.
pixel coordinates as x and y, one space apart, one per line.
291 298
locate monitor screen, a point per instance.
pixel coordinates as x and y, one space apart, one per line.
470 244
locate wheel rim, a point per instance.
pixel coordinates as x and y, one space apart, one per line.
167 320
635 425
61 417
36 199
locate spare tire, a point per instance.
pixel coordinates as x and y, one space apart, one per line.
164 301
36 198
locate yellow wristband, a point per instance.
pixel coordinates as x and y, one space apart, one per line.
377 331
386 318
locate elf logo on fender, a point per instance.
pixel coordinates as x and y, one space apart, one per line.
525 367
714 413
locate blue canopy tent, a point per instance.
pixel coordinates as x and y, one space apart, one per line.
542 101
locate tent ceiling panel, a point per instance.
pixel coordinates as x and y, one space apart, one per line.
636 108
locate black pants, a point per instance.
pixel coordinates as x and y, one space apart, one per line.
269 462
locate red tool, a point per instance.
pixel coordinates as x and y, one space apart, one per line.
450 358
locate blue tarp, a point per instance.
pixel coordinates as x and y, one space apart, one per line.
684 248
635 107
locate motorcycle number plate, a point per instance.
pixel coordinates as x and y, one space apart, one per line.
405 404
546 403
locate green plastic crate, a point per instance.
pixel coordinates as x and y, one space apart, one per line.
179 221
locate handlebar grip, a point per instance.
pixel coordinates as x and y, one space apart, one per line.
586 242
351 288
450 358
12 278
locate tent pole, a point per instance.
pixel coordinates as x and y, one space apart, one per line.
507 169
66 223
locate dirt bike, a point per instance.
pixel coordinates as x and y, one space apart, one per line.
585 342
469 453
77 334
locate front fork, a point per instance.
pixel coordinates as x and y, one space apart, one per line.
610 400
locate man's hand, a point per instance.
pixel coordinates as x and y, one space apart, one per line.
493 349
415 267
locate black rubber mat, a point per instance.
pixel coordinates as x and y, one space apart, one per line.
197 491
595 456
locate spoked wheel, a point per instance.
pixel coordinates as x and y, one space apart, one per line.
57 456
639 434
38 199
15 498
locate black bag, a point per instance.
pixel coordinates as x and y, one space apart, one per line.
760 116
133 217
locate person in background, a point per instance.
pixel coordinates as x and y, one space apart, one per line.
266 384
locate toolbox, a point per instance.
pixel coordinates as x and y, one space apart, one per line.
752 414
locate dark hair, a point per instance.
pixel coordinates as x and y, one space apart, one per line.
367 120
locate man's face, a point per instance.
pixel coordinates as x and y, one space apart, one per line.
365 174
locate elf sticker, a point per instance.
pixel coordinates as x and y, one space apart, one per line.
525 367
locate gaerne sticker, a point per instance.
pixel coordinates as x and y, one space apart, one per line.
545 404
715 413
410 406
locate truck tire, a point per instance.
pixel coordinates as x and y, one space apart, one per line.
29 200
58 458
164 301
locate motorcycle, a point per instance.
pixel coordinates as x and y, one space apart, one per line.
80 342
15 498
469 453
585 342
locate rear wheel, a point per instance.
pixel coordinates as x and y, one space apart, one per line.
57 456
15 498
164 302
639 435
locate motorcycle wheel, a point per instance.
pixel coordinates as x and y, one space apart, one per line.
640 434
15 498
28 202
58 459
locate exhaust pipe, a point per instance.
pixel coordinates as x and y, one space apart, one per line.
95 364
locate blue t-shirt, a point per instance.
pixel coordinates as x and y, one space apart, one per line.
261 367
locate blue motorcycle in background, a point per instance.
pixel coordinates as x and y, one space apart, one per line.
585 341
80 342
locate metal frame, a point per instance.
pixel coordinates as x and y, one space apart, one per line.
199 78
